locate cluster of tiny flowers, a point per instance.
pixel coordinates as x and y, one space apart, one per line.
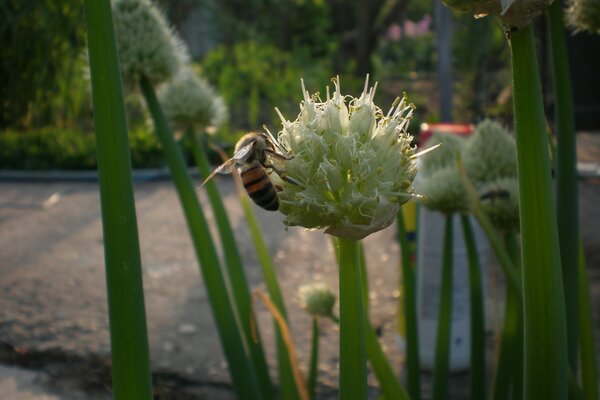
317 299
441 186
490 161
352 166
148 48
189 101
517 13
500 203
584 15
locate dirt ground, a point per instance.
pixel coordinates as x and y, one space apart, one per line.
53 321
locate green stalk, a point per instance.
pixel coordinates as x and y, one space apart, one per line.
546 363
506 263
509 370
129 341
235 270
589 368
353 363
390 386
567 202
314 360
235 349
287 384
477 367
441 368
410 313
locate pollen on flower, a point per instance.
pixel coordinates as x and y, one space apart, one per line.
353 166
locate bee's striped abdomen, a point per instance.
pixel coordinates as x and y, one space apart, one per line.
259 186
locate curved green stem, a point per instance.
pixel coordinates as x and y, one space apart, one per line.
235 270
477 367
441 368
509 370
287 384
234 346
131 377
353 362
546 363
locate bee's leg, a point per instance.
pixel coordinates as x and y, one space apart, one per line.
276 154
281 174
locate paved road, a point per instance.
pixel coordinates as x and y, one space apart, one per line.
52 290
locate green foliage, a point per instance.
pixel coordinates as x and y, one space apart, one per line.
482 69
254 77
47 148
43 68
58 148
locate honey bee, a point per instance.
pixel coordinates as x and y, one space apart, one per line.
256 155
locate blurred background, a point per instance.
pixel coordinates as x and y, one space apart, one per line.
255 52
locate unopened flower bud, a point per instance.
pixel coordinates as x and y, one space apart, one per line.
317 299
500 201
147 47
490 153
190 102
584 15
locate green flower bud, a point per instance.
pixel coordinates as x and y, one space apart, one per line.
147 46
490 153
584 15
317 299
352 166
190 102
443 191
443 156
517 13
500 201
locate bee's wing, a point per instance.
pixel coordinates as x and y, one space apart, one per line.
227 166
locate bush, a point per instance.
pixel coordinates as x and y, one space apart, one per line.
57 148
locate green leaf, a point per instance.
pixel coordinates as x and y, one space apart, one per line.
129 341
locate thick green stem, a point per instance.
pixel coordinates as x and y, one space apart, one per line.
353 363
567 202
235 270
235 349
441 368
477 367
129 341
314 360
546 362
390 385
410 313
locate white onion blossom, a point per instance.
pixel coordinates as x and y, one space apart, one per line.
352 166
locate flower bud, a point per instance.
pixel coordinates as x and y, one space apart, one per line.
443 156
190 102
584 15
317 299
147 47
517 13
500 201
490 153
443 191
352 166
